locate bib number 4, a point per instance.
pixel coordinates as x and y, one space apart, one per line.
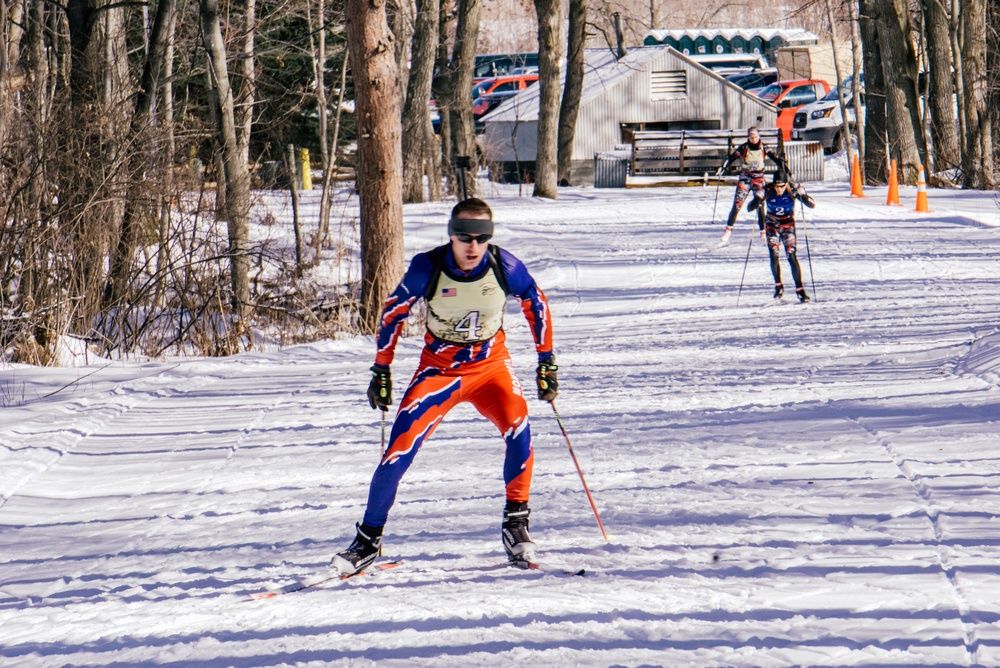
469 325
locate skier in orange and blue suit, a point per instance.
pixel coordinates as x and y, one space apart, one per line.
778 227
465 284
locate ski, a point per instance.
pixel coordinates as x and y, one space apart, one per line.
531 565
321 577
717 247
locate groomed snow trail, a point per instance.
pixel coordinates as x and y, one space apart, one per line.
782 484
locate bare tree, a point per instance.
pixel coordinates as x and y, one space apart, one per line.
417 149
573 87
857 65
845 122
236 172
135 202
380 162
940 97
899 68
977 159
876 165
248 80
330 162
549 53
457 90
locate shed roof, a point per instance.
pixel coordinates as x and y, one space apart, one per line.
602 71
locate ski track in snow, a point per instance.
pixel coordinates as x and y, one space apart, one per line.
782 484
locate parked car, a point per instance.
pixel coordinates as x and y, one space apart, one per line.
486 102
503 84
755 81
822 120
789 95
501 87
724 64
501 64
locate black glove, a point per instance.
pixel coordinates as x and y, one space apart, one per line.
548 383
380 389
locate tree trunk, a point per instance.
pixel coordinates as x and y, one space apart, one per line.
166 163
977 163
248 84
380 162
549 52
941 92
572 88
149 83
416 113
876 165
954 30
12 30
461 67
899 67
845 122
237 175
330 165
441 88
89 206
857 69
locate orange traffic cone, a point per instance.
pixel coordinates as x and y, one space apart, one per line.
893 197
921 193
856 190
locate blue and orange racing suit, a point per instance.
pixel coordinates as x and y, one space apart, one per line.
779 226
464 359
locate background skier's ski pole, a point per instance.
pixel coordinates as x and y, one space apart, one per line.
579 470
718 183
805 234
745 262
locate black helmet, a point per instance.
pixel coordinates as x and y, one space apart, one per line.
780 177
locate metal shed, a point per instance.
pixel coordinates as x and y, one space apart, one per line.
650 88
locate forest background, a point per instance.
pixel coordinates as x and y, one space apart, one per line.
133 136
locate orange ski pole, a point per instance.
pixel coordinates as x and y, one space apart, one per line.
579 470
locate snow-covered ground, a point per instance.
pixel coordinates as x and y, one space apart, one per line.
782 484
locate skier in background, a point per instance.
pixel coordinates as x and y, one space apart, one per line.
751 154
465 284
777 203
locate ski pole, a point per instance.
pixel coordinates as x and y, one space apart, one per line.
805 234
383 434
718 184
745 263
579 470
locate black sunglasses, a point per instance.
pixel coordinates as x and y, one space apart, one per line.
469 238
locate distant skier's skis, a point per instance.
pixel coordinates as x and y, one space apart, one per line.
321 577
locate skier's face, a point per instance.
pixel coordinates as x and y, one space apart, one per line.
469 253
753 137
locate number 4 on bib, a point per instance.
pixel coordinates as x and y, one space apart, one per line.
469 325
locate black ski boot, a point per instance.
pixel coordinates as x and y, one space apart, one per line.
516 541
801 293
362 552
779 290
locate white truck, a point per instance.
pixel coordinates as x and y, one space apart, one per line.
821 120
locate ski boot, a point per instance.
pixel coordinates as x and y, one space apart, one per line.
779 290
514 531
362 552
801 294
